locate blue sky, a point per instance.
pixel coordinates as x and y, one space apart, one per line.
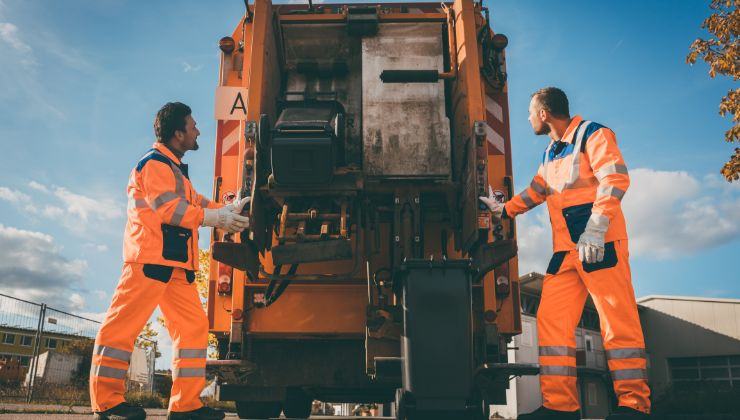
82 79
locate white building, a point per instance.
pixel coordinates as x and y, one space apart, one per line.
691 339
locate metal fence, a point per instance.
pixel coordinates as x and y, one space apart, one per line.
45 354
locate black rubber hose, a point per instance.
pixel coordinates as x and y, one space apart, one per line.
270 299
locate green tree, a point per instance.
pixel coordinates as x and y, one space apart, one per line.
721 51
147 338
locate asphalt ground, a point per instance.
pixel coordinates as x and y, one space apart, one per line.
61 412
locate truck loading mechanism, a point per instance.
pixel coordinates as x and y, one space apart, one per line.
370 272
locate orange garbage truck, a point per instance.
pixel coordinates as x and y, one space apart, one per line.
364 135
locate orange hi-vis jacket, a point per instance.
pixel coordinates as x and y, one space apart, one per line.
164 213
583 177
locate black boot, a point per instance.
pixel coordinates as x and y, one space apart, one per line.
626 413
544 413
123 411
203 413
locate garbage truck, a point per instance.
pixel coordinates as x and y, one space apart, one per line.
370 273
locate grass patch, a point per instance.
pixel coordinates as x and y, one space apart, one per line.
146 399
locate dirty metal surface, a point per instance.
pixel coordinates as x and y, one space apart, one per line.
405 130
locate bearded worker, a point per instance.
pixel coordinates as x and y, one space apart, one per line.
160 258
583 178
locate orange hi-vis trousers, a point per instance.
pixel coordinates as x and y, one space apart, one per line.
141 288
564 292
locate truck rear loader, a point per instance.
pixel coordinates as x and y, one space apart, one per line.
364 135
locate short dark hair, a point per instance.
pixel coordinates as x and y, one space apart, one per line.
170 118
554 101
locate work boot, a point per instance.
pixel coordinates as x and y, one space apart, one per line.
544 413
203 413
627 413
123 411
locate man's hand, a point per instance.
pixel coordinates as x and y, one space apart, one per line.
228 217
496 207
237 206
591 247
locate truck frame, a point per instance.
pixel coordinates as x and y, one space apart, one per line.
364 134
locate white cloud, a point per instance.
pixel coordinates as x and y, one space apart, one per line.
672 213
38 186
96 316
13 196
32 267
52 212
71 209
86 207
100 294
9 35
97 247
77 302
187 67
534 239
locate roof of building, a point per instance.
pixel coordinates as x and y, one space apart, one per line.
687 298
532 281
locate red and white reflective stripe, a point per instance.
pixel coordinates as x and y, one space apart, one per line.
493 108
230 143
494 123
495 139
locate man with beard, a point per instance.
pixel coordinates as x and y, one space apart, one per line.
160 254
583 178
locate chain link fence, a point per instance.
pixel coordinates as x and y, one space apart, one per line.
45 354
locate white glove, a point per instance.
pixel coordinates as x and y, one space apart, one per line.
228 217
496 207
591 243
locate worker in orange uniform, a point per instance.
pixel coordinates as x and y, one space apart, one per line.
160 254
583 178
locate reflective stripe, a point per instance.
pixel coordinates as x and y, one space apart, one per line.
615 168
576 168
204 202
107 372
179 183
113 353
190 373
163 198
557 351
191 353
622 374
558 370
636 353
137 203
608 190
539 189
182 207
527 200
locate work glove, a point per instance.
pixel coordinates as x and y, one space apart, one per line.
228 217
591 244
496 207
